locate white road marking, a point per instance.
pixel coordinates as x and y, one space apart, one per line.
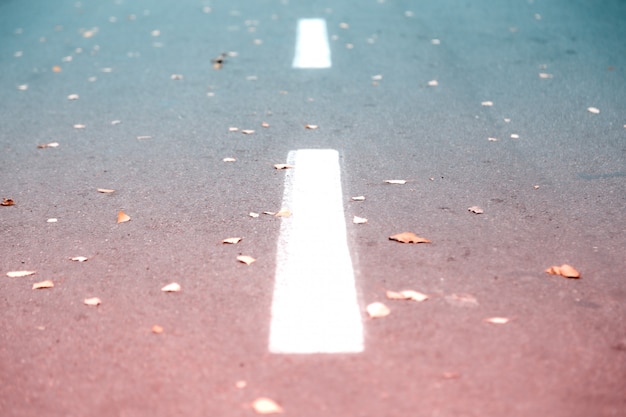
315 307
312 48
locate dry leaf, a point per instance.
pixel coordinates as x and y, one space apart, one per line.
144 137
246 259
359 220
266 406
475 209
232 240
492 139
311 127
253 214
408 237
176 76
7 202
94 301
395 181
156 329
53 220
377 310
433 83
545 75
105 190
247 131
283 213
233 129
283 166
20 274
229 160
564 270
173 287
43 284
79 126
487 103
358 198
593 110
56 68
78 259
73 97
407 295
462 300
122 217
48 145
265 124
497 320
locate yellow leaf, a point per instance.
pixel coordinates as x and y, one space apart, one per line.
475 209
497 320
173 287
43 284
266 406
246 259
94 301
408 237
122 217
232 240
283 166
19 274
564 270
283 213
377 310
407 295
359 220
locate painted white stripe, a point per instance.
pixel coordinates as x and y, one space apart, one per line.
315 307
312 49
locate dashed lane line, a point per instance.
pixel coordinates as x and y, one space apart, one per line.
314 307
312 48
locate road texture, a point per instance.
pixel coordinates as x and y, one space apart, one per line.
474 103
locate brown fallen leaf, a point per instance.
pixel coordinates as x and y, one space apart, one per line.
377 310
497 320
173 287
247 131
20 274
283 213
94 301
48 145
475 209
56 68
266 406
282 166
122 217
408 237
156 329
232 240
311 127
105 190
43 284
564 270
246 259
407 295
7 202
462 300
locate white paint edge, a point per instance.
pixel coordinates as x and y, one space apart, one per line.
315 307
312 47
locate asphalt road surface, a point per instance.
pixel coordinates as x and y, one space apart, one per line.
516 107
